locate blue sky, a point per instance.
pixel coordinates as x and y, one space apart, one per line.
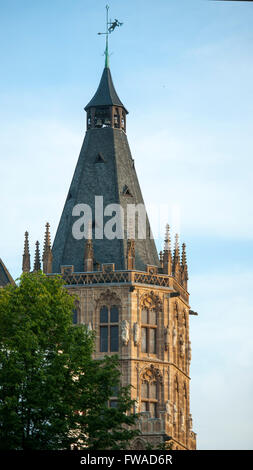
184 70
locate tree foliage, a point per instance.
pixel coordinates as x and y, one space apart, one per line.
52 393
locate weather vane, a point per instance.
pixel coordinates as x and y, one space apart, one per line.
110 27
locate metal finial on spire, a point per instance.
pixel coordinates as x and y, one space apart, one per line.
106 47
110 27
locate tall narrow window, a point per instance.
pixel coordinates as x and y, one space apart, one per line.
75 319
109 329
113 402
148 331
116 118
149 398
123 121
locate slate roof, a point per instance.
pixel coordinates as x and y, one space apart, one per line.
106 94
5 277
92 178
105 168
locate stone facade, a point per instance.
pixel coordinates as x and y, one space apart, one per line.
165 366
136 303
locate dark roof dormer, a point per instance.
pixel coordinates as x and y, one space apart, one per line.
105 108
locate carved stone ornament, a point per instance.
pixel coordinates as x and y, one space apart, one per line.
139 444
168 409
174 413
151 300
108 297
176 309
182 346
151 373
137 405
174 334
166 338
190 422
125 332
189 352
90 328
136 333
181 419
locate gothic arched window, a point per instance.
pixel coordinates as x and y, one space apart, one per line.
149 397
113 402
109 328
76 313
151 391
148 330
74 318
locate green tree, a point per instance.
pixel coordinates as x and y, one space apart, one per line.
52 393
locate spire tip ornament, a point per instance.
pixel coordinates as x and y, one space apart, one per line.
110 27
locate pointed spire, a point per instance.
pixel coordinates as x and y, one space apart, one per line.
176 258
106 94
114 113
184 267
167 262
167 238
47 257
88 251
161 258
37 263
183 257
26 266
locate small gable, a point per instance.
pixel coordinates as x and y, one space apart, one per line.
99 158
126 191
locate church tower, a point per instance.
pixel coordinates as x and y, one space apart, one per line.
105 180
137 304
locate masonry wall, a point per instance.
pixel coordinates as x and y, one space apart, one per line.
168 367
